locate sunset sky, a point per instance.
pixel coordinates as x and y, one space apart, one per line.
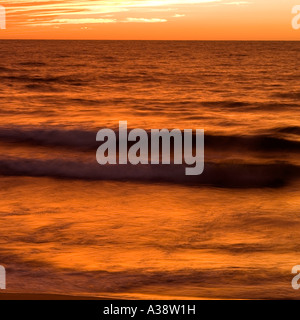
146 19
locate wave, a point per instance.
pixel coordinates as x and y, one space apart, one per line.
288 95
73 80
79 139
290 130
78 79
227 175
262 143
249 106
86 139
32 64
6 69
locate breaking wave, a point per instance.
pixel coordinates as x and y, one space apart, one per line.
219 175
86 139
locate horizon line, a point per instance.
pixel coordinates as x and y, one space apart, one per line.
221 40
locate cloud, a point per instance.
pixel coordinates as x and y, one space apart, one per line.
152 20
237 3
59 12
77 21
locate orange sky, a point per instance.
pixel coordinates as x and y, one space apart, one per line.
146 19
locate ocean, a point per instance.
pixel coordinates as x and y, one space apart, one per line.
70 226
